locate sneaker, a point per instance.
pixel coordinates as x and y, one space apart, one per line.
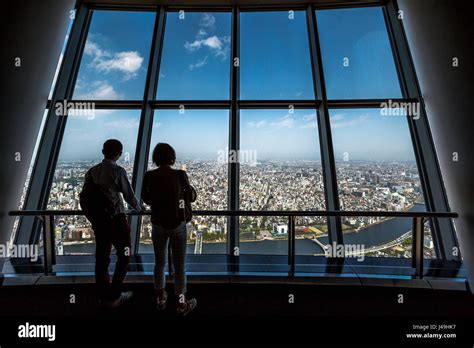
161 304
123 298
190 305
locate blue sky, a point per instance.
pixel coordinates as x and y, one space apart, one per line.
84 136
280 134
274 64
116 54
366 135
275 58
360 36
196 57
194 133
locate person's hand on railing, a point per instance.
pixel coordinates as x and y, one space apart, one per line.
141 209
145 209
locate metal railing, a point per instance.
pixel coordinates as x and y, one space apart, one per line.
49 257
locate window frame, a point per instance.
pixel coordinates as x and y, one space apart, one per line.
46 160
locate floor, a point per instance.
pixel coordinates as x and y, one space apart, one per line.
240 313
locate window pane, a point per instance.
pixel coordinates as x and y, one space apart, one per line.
115 58
195 63
61 56
357 57
81 148
376 170
280 169
274 56
200 139
403 247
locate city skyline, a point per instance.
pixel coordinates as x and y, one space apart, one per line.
281 185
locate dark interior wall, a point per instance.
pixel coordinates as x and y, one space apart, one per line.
438 31
33 31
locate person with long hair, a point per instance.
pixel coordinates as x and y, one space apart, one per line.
168 192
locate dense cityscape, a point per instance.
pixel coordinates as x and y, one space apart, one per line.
269 185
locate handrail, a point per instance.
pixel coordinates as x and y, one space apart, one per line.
47 216
336 213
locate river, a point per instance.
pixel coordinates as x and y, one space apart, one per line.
373 235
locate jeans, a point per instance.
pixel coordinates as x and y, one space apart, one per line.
177 238
114 232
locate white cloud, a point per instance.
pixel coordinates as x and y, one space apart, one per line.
101 90
286 121
201 33
207 20
92 49
198 64
338 117
310 121
342 123
105 91
259 124
213 42
127 62
218 46
225 49
122 124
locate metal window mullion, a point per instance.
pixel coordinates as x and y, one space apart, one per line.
48 151
325 137
408 91
190 104
198 8
430 175
111 104
146 120
234 139
365 103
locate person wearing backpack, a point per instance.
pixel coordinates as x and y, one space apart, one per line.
103 206
169 194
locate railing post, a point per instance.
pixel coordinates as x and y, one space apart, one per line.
49 258
417 246
291 244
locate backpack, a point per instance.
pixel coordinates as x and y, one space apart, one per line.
187 196
96 206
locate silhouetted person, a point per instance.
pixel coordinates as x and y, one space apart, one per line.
110 225
169 194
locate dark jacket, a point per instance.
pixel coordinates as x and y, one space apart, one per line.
162 190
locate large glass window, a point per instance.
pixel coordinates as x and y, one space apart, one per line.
274 56
357 57
115 58
279 153
376 170
80 150
280 169
195 63
200 139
